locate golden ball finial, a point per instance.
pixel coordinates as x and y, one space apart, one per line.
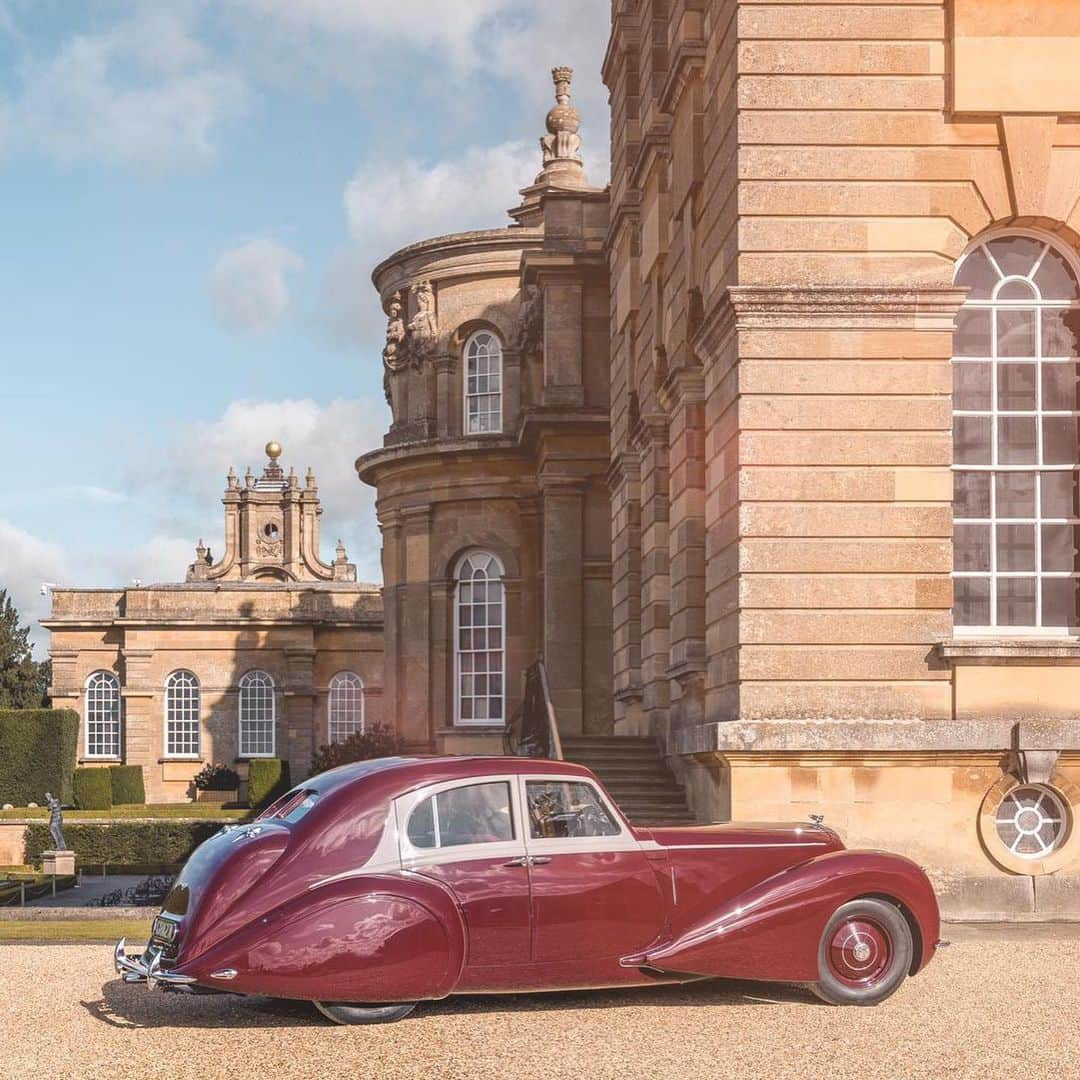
273 450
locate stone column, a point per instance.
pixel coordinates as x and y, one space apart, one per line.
299 723
624 485
447 397
415 720
563 342
563 636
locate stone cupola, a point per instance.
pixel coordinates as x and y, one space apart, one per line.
271 531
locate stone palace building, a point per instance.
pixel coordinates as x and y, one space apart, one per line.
768 447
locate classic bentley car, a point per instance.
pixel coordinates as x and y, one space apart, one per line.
378 885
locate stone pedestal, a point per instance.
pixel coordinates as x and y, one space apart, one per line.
60 863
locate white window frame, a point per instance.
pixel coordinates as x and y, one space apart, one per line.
259 682
1039 305
341 681
92 718
474 397
459 652
170 720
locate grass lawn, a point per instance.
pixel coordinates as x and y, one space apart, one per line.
211 811
136 931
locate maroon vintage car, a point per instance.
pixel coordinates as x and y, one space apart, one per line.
382 884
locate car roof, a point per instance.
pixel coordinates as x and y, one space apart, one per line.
406 773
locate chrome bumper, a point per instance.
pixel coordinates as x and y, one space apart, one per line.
146 968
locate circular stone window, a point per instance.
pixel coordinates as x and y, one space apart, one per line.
1031 821
270 531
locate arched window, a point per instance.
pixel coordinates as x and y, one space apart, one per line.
483 384
1015 449
101 715
345 709
258 711
182 710
479 640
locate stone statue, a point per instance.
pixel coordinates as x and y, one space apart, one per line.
56 821
395 333
530 328
423 326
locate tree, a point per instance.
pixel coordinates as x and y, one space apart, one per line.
22 678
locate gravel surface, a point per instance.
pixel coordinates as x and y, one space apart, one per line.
984 1008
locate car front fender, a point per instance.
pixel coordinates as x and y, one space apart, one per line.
364 939
771 931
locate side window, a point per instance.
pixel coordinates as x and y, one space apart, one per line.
476 814
562 808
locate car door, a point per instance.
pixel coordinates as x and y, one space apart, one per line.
594 892
469 836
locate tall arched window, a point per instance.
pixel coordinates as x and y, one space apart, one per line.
101 715
258 711
483 383
182 711
345 708
479 640
1015 447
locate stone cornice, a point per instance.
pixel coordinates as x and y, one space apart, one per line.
682 386
625 468
546 267
655 144
1020 651
623 40
650 430
626 215
687 63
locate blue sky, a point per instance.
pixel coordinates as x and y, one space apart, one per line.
192 196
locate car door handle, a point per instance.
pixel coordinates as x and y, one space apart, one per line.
539 860
521 860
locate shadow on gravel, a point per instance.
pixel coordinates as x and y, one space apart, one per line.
123 1005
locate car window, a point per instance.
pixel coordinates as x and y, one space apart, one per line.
474 814
562 808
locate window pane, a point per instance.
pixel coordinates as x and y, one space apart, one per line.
971 386
1016 290
1059 604
971 494
978 274
1016 547
971 601
421 829
562 809
1016 601
1016 440
971 440
1055 278
1059 548
1015 332
1059 494
477 814
1015 494
972 333
1016 255
1059 387
1016 387
1059 440
1060 332
971 548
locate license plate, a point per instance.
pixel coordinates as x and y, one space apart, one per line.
164 929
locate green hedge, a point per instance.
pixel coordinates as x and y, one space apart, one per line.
125 843
93 789
127 785
38 748
268 779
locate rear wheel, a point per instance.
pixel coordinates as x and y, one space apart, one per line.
342 1013
865 953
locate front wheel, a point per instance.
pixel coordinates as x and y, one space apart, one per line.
341 1013
865 953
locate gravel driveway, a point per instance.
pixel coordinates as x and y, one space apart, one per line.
984 1008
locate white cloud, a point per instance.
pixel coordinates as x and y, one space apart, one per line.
144 93
247 284
26 562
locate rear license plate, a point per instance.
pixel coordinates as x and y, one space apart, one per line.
164 929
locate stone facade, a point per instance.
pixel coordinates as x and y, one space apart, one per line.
793 188
520 478
269 605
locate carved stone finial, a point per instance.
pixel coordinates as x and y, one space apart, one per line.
309 479
561 146
273 450
249 478
230 480
340 552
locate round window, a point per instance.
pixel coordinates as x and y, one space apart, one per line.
1031 821
270 531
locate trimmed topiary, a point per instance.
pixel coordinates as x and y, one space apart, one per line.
127 785
38 750
268 779
217 778
93 789
375 742
122 844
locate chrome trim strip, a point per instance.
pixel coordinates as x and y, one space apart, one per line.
136 969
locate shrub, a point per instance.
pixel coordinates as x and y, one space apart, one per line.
38 749
217 778
127 785
125 843
376 742
93 789
268 779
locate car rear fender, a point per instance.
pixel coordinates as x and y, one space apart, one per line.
371 938
771 930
